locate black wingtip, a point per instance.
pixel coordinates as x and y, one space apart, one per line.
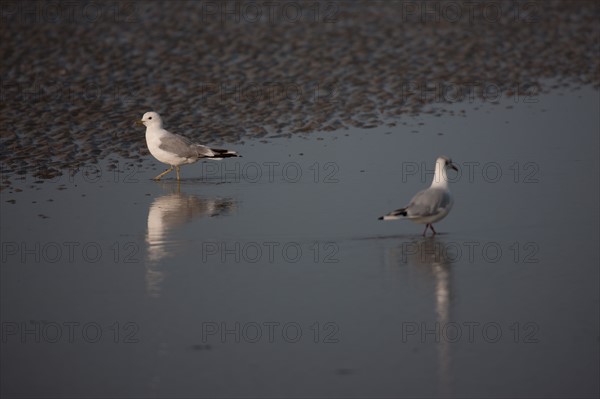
380 218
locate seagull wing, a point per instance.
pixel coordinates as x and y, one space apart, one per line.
428 202
179 145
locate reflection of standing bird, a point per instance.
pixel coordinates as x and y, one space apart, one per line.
173 149
173 210
433 259
165 215
430 205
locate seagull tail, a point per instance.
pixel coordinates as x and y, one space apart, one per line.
395 215
222 153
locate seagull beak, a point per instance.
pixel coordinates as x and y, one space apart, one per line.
453 166
139 123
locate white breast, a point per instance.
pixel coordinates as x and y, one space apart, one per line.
153 137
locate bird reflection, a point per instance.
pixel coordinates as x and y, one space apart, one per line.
166 214
433 257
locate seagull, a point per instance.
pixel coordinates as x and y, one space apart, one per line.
173 149
432 204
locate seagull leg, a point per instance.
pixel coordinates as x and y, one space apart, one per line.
425 232
177 169
163 173
434 232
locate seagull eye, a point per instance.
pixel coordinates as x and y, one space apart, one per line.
149 117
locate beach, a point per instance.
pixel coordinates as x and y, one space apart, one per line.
270 275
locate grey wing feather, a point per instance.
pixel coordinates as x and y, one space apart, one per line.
204 151
179 145
184 147
428 202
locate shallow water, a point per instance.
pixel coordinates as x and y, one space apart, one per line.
270 275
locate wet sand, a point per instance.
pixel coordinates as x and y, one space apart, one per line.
75 76
254 279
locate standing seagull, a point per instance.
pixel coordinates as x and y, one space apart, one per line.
430 205
173 149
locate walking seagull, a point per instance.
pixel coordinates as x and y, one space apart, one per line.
432 204
173 149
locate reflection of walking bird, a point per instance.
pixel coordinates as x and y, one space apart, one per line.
430 255
169 212
430 205
173 149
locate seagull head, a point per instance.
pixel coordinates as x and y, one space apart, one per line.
440 178
446 163
150 119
